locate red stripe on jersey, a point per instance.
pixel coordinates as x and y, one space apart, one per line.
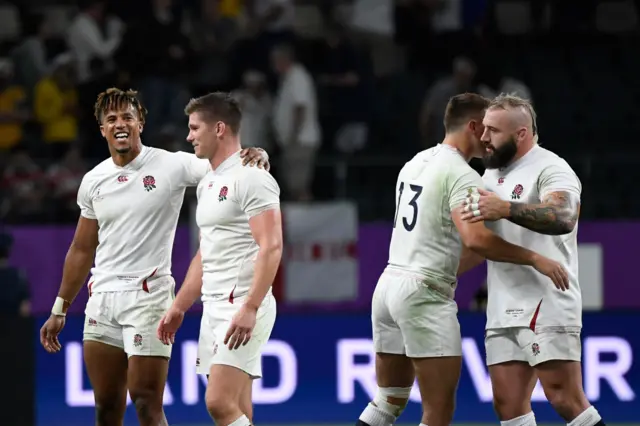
231 295
145 284
90 285
532 324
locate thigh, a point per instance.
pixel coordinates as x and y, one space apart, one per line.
139 313
438 380
429 324
387 337
146 378
107 369
246 358
512 383
98 323
226 383
394 371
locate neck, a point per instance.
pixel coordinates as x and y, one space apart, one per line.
523 149
459 142
224 151
122 160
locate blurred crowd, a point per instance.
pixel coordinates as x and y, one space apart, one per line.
315 80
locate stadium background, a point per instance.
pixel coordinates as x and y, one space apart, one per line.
577 60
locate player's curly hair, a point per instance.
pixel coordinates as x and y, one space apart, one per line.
115 99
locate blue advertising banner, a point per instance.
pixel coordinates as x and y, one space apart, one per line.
319 369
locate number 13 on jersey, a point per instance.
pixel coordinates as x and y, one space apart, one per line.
416 190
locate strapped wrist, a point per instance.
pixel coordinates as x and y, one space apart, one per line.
60 307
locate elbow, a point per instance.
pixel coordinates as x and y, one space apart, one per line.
566 227
272 247
476 243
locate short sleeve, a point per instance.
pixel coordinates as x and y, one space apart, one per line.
257 192
84 199
302 89
558 178
192 168
463 182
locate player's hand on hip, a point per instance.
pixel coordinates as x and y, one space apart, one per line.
49 333
241 327
553 270
484 205
169 325
255 157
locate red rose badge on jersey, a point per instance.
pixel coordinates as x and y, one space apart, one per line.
223 193
149 183
517 192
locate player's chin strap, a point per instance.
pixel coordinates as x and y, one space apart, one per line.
60 307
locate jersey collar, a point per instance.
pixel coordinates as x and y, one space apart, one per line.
136 162
233 160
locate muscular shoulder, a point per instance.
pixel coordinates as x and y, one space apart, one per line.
254 176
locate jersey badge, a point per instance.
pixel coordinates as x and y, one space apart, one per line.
500 181
123 179
535 349
517 192
223 193
137 340
149 183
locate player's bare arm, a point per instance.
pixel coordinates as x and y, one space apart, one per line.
189 292
481 240
469 259
557 214
266 229
77 265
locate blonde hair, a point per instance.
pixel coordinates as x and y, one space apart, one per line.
508 101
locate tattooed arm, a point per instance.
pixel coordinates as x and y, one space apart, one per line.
556 215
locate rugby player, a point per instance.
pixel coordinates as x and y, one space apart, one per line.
129 207
532 331
415 325
240 249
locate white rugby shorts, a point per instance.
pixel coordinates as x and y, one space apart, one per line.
410 318
129 319
523 344
216 319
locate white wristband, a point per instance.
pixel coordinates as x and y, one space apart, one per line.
58 307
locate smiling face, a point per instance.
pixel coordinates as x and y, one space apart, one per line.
121 127
204 136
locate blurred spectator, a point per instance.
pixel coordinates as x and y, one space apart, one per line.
479 302
256 104
160 56
23 182
56 106
211 36
13 107
295 123
432 114
15 297
92 49
342 96
271 22
30 56
64 179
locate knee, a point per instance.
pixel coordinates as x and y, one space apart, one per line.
108 412
392 400
220 406
567 403
510 406
148 404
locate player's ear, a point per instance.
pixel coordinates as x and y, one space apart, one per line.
472 126
102 131
140 127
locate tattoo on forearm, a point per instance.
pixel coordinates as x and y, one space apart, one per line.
557 215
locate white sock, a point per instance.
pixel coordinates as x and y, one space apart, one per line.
588 417
241 421
374 416
528 419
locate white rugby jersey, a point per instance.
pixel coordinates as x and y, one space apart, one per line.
137 208
425 239
519 296
227 198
